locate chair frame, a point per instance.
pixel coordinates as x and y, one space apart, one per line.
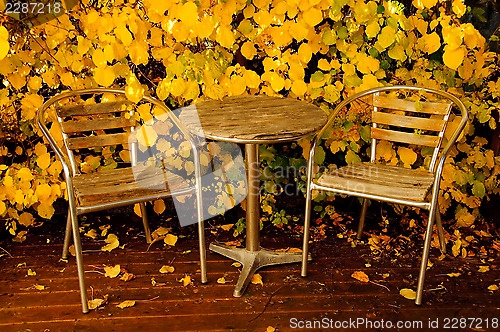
74 209
436 168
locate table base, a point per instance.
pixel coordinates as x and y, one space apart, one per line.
253 260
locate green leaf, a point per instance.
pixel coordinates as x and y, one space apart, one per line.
329 37
319 156
478 189
342 32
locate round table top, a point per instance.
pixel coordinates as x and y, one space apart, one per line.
253 119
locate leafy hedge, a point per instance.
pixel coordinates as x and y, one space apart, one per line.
319 51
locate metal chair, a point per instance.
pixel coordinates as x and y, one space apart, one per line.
397 119
93 123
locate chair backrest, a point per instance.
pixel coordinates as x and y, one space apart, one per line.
93 125
414 122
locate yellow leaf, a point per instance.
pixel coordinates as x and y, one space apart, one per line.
186 280
31 272
407 156
188 13
112 243
4 43
361 276
159 206
225 36
305 52
313 16
91 234
407 293
431 43
167 269
43 161
227 227
137 210
299 87
104 76
112 271
483 268
126 304
26 219
492 288
236 264
96 303
38 287
248 50
453 58
127 276
257 279
170 239
455 250
387 37
221 280
270 329
454 274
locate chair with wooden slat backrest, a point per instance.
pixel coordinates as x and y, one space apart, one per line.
95 124
396 118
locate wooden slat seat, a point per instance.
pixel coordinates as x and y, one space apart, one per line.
388 181
117 185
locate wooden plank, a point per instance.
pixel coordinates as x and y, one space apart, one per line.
91 109
407 121
409 105
75 126
403 137
75 143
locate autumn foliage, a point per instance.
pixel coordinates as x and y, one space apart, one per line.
181 52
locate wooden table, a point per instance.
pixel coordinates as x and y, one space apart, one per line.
252 120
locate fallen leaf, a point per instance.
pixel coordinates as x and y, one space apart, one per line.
126 304
361 276
236 264
227 227
96 303
221 280
21 264
483 268
270 329
159 232
112 243
71 250
112 272
31 272
407 293
167 269
186 280
454 274
170 239
42 287
91 234
492 288
233 243
257 279
127 276
292 250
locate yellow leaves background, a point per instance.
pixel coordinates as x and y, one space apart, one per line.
183 52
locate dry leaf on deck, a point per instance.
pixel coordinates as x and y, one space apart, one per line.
270 329
126 304
236 264
484 268
167 269
257 279
42 287
31 272
227 227
127 276
112 271
221 280
170 239
186 280
454 274
493 287
96 303
112 243
407 293
361 276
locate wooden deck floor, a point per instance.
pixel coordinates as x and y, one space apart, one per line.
284 301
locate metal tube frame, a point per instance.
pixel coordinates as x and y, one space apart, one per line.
432 205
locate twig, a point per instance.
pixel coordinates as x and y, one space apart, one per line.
151 299
267 303
8 253
373 282
96 272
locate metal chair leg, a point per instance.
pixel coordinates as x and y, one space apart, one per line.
439 225
307 225
145 222
361 224
203 251
67 236
79 260
425 255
